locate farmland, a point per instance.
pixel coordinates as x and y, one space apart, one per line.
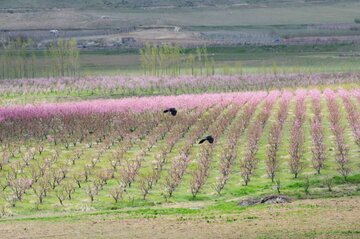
39 90
101 149
228 23
107 156
179 119
103 154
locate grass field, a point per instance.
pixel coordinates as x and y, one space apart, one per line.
235 60
231 60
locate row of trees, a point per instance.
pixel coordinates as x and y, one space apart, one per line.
180 164
49 175
201 173
297 137
317 132
338 130
37 164
229 153
16 61
249 162
275 135
171 60
353 115
60 59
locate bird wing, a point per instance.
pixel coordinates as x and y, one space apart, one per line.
165 111
202 141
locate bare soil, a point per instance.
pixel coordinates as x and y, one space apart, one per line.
320 218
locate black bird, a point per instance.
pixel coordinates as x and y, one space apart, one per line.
209 138
173 111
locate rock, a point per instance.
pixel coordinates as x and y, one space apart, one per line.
271 199
274 199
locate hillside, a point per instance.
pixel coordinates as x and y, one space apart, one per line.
95 4
103 24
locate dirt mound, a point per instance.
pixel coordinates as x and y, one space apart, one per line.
271 199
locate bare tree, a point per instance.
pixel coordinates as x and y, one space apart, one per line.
92 191
176 172
69 188
117 193
60 195
19 186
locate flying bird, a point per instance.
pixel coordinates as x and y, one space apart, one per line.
209 138
173 111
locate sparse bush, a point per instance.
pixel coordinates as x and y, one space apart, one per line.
306 185
278 186
329 181
5 211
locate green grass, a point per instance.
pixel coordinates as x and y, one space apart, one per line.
232 60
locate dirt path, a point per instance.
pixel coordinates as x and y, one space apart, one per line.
326 218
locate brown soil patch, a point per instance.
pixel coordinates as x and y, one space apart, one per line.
321 218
